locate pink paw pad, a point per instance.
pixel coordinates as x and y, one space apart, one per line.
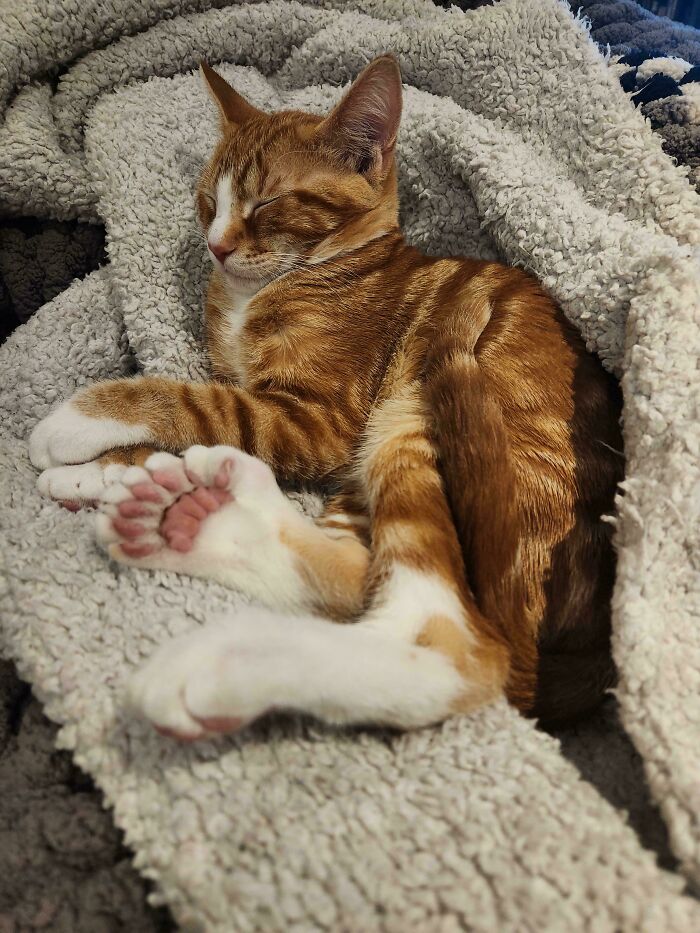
127 529
132 549
169 479
182 520
162 505
222 478
223 723
147 492
133 508
176 734
219 725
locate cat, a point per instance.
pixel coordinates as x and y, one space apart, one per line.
470 442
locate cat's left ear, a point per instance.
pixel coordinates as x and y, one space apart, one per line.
233 108
363 127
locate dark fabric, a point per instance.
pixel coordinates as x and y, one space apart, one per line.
38 259
63 865
656 87
632 31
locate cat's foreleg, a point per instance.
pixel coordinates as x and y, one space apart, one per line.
81 485
296 438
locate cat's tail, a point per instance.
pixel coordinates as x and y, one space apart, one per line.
480 482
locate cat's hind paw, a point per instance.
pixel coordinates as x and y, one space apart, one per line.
206 682
133 509
156 516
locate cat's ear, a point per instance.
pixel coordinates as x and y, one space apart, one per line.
233 108
363 127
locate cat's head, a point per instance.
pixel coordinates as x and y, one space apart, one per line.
290 188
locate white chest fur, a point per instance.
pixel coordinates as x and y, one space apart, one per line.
235 313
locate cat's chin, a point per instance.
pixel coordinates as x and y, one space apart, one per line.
252 278
244 277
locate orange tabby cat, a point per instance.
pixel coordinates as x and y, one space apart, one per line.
470 438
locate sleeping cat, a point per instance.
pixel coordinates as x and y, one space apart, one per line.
471 443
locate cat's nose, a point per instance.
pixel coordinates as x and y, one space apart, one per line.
220 250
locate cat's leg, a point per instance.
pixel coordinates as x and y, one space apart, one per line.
81 485
218 513
224 675
345 514
290 430
421 653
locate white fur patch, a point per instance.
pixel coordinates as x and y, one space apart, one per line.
86 481
407 600
235 311
67 436
243 666
675 68
224 210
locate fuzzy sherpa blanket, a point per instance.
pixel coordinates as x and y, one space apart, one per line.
517 142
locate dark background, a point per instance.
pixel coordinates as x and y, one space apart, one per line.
685 11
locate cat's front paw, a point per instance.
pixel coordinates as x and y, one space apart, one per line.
80 485
215 679
73 433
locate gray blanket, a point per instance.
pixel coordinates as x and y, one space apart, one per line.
517 143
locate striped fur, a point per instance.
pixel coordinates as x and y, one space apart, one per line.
473 440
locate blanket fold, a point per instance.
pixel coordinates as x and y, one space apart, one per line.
517 143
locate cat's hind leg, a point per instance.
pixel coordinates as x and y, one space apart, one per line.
421 653
218 513
222 676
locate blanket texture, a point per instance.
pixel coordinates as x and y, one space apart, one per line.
39 257
517 143
658 64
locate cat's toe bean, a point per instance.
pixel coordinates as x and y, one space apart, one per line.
228 468
104 530
128 529
168 472
188 505
210 499
150 492
135 474
156 692
143 546
136 508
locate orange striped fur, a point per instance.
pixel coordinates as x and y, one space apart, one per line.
472 439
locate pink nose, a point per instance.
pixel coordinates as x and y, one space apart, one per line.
220 251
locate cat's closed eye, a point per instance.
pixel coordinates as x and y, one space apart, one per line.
260 204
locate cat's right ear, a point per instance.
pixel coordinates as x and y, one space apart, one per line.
233 108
